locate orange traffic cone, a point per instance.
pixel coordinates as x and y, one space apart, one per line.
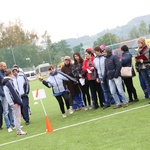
48 125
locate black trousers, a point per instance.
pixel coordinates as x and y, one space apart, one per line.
130 88
25 108
1 115
93 85
85 93
61 103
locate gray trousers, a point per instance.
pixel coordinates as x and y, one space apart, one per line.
17 117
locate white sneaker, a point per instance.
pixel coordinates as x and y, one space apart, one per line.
21 133
90 107
70 111
9 129
64 115
86 108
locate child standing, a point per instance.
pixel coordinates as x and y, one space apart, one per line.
14 100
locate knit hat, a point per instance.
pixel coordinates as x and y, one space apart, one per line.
102 47
108 50
67 58
124 48
15 66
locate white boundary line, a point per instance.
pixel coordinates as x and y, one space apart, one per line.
80 123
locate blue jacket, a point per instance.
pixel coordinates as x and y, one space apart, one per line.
2 74
112 67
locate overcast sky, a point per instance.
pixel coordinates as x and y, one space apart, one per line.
71 18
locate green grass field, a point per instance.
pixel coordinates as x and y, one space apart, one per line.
121 129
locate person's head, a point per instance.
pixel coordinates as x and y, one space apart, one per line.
8 73
67 60
51 69
98 51
124 48
107 51
141 42
15 71
89 53
77 58
3 66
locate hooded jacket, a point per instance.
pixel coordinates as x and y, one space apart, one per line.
21 84
11 93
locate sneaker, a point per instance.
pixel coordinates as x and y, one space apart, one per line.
9 129
86 108
70 111
125 105
21 133
117 106
130 100
90 107
135 100
27 122
106 106
64 115
80 108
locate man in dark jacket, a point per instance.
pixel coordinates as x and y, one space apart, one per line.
112 71
7 111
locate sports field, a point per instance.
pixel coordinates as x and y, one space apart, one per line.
109 129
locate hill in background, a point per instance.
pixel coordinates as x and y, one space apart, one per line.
120 31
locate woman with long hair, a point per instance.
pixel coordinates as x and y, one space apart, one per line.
80 76
143 64
88 68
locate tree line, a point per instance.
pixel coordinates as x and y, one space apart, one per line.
27 48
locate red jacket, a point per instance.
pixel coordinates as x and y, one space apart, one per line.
87 64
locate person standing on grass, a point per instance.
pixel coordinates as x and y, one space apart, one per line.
99 64
22 85
88 68
73 88
14 100
7 110
80 76
143 66
112 71
56 82
20 72
127 62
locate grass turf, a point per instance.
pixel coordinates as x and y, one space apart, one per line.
128 130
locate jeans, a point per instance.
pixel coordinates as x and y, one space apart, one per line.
146 76
117 82
8 114
106 91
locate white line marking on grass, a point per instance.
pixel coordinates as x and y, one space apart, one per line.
91 120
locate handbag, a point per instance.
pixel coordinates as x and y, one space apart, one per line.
126 72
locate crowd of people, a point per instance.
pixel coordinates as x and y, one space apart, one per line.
88 83
97 78
14 101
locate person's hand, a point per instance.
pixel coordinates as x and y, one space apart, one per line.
40 78
97 80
